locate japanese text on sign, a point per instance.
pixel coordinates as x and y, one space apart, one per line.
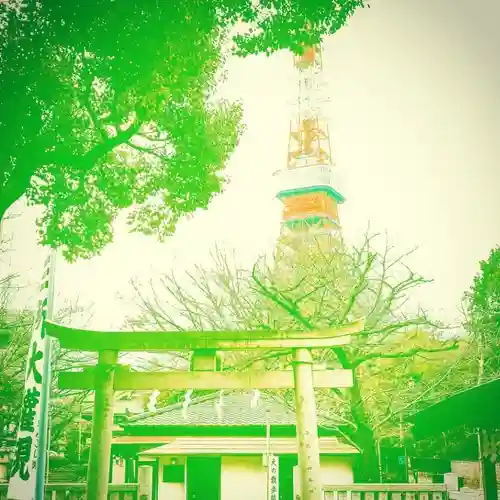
24 461
273 485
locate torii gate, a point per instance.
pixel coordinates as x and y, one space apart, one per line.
108 376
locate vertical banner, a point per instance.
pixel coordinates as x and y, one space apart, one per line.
273 485
32 426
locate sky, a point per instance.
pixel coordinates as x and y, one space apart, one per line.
414 122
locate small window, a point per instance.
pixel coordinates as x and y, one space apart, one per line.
173 473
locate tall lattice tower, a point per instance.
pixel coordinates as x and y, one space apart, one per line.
307 184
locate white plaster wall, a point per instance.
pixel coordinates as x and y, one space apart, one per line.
334 470
470 471
243 478
170 491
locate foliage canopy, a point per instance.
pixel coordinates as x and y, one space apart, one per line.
483 314
109 105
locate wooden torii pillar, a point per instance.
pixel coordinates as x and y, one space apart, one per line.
108 377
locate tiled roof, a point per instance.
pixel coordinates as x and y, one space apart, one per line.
236 410
244 446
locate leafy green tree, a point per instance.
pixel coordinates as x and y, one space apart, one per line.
13 366
314 286
483 315
110 105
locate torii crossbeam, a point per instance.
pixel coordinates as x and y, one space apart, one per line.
95 341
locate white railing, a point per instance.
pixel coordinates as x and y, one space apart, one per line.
76 491
381 491
466 494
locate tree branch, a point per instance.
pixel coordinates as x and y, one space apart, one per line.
420 397
284 303
407 354
360 286
148 151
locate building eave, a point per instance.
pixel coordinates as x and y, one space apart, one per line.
458 410
244 446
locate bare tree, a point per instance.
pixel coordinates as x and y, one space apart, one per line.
309 286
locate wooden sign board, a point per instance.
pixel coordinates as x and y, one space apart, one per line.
273 478
125 380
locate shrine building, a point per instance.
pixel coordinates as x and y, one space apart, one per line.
216 446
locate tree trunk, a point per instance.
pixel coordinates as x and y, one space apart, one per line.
16 186
367 468
3 210
5 204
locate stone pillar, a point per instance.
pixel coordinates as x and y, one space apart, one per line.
307 426
102 425
451 481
